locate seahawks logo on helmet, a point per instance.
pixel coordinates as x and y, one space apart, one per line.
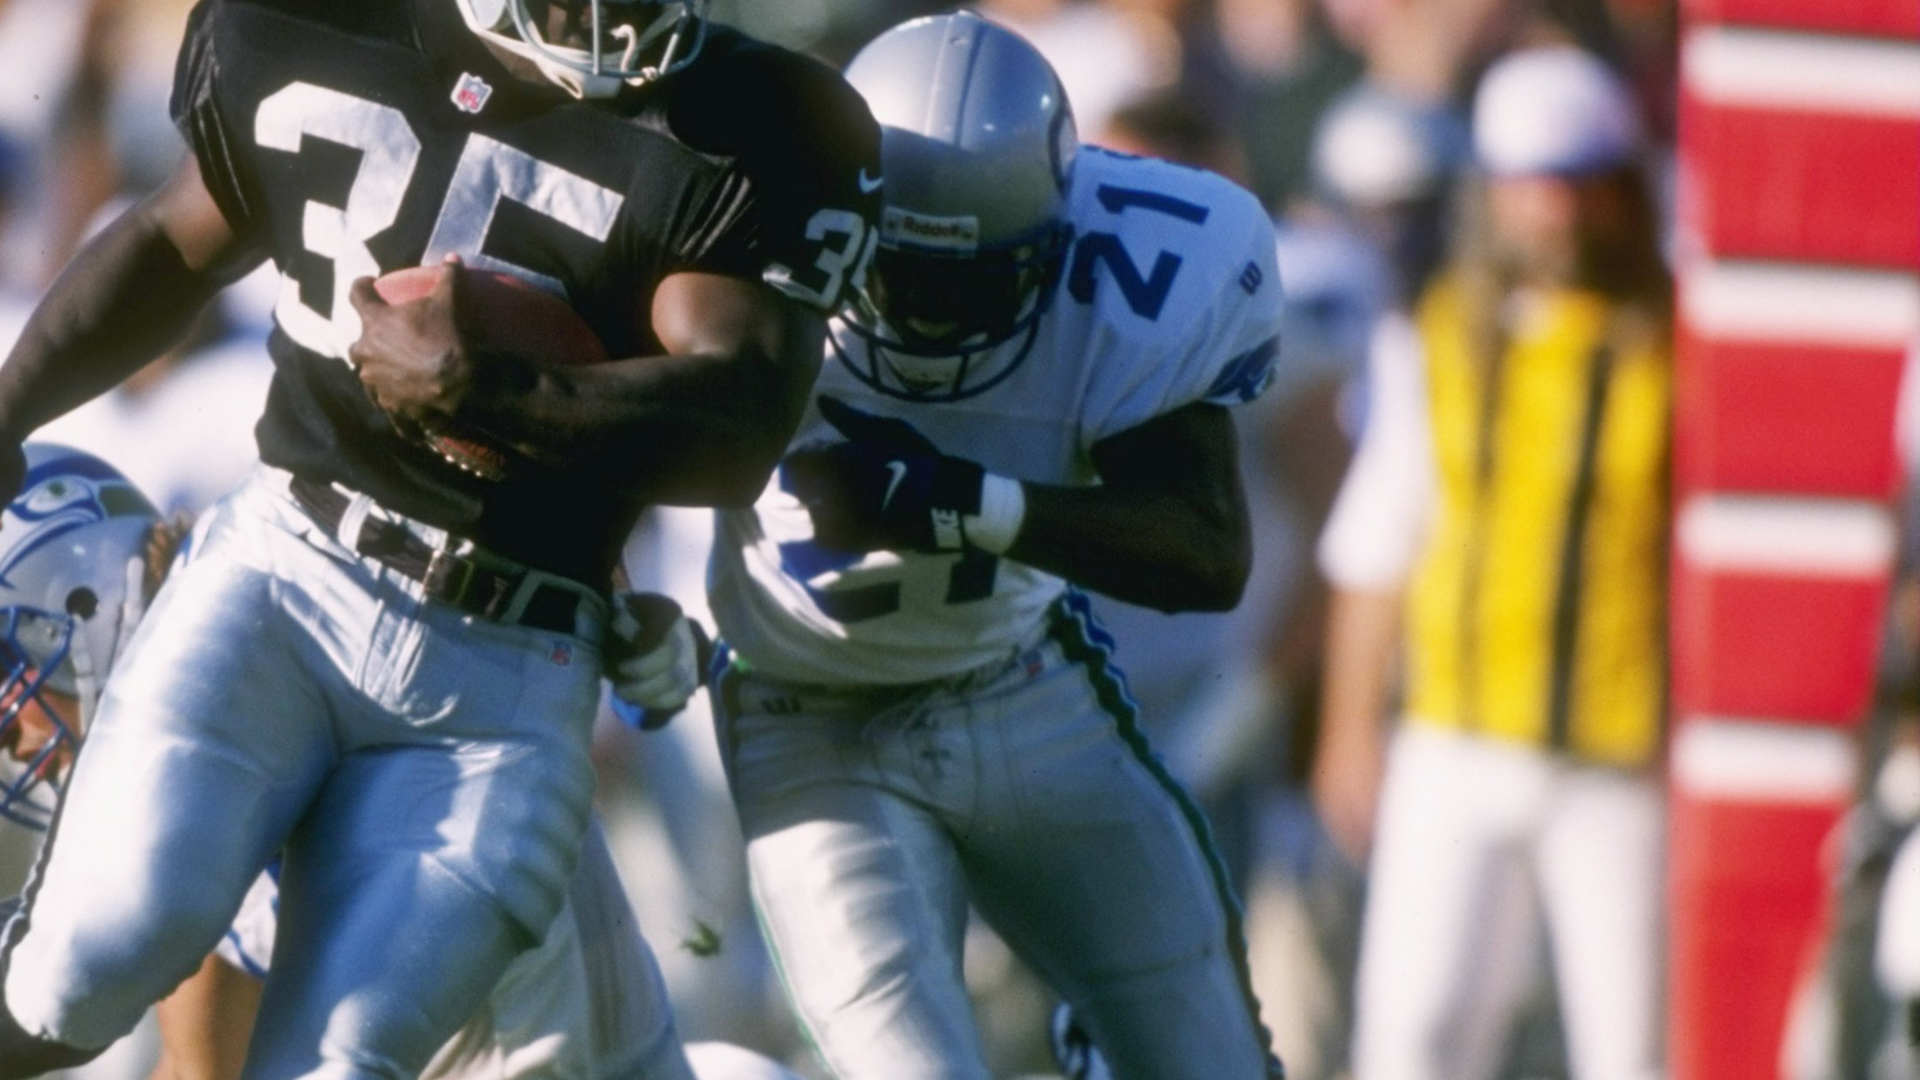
72 546
978 160
64 493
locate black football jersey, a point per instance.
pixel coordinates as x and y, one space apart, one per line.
356 137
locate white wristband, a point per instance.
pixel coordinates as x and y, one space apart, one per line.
1003 508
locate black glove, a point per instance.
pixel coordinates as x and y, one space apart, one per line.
886 488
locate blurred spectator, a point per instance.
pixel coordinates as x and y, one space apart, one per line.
83 86
133 58
1387 162
40 45
1510 493
1291 66
1173 126
1856 1015
16 301
1303 895
13 169
1853 1016
1106 54
1897 797
1897 958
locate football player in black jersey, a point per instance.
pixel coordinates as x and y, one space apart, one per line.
376 662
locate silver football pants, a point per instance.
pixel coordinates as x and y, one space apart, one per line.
426 772
874 815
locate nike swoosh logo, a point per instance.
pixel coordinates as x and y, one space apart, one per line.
899 471
870 184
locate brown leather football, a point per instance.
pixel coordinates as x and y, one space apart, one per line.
503 313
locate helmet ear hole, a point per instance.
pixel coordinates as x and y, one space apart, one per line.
82 603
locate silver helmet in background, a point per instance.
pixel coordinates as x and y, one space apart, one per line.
73 585
977 149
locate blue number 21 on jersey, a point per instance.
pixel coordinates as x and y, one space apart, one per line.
1144 293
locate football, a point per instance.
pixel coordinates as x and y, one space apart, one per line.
500 312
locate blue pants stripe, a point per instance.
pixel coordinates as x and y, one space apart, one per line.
1086 643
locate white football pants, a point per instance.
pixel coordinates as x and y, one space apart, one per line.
587 1003
426 772
874 814
1478 842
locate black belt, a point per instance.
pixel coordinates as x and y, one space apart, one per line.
447 577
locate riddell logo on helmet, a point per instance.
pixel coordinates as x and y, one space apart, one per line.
908 229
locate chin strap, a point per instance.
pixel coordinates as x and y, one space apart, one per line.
577 71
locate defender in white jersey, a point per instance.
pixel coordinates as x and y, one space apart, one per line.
81 552
917 710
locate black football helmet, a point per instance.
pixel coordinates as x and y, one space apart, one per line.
629 42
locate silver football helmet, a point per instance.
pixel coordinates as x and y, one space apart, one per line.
977 148
72 588
622 35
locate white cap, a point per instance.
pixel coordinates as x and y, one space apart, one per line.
1553 110
1372 148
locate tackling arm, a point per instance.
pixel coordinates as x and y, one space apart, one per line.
704 424
1166 528
130 294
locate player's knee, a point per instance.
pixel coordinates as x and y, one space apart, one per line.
93 980
23 1053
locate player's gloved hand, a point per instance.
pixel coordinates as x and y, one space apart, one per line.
654 659
886 488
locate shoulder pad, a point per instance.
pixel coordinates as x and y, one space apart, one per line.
749 99
1157 244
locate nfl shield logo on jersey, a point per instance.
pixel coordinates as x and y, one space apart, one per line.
470 94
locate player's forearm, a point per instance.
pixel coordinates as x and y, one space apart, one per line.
1363 637
127 297
690 430
1173 551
